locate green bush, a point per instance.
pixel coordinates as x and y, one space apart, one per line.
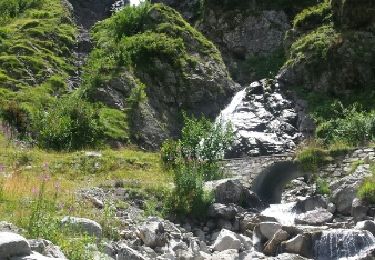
12 8
70 124
354 126
313 17
188 196
313 157
322 187
195 159
367 191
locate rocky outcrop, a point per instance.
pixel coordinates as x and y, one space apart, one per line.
354 14
322 58
264 120
191 77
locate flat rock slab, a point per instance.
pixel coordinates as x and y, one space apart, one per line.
12 244
317 217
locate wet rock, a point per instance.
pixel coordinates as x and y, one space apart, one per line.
84 225
272 245
12 244
368 225
226 240
251 220
259 126
310 203
359 209
268 229
300 244
315 217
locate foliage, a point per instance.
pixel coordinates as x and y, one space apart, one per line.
188 196
322 187
313 156
366 191
13 8
195 159
70 124
314 16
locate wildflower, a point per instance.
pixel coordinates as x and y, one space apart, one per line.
45 177
2 167
35 190
57 186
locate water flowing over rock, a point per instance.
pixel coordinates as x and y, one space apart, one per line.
338 244
264 121
284 213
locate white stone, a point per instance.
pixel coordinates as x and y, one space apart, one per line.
226 240
88 226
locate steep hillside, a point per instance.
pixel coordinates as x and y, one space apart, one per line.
151 64
36 42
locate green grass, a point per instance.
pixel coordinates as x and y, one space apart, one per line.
21 180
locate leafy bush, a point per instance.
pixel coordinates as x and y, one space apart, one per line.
314 16
194 159
70 124
353 126
12 8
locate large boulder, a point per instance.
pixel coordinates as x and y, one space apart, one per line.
359 209
344 191
84 225
268 229
217 210
273 244
226 240
300 244
316 217
152 233
233 191
12 244
38 256
46 248
310 203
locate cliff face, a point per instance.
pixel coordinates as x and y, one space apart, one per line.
334 52
156 70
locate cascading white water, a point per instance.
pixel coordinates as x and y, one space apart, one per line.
343 244
283 213
226 115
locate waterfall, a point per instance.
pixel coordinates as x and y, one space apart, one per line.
343 244
283 213
227 115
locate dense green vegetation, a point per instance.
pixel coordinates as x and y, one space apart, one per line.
193 160
36 38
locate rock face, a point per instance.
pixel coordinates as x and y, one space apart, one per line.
193 79
333 67
354 14
273 244
264 120
246 37
12 245
84 225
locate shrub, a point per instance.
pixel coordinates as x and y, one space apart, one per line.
313 157
367 191
322 187
194 159
314 16
70 124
